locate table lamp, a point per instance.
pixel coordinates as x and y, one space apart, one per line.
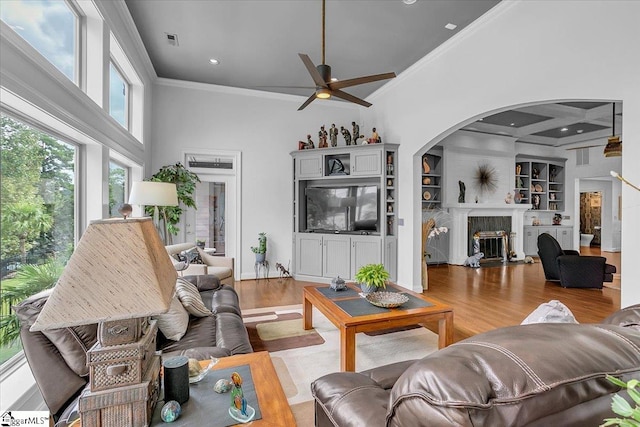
152 193
118 276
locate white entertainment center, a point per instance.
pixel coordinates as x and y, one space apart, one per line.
344 211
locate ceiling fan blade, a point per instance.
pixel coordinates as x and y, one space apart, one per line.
285 87
308 101
315 75
360 80
349 97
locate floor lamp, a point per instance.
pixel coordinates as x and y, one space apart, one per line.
151 193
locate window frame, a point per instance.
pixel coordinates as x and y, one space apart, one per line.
127 178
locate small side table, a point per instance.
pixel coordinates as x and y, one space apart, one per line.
264 266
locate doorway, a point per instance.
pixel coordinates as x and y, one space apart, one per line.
214 221
590 218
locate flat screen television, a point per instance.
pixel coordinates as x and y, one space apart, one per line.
349 208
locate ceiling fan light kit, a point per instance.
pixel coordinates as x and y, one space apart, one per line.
326 87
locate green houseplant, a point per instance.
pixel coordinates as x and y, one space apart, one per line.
371 277
631 416
185 182
261 249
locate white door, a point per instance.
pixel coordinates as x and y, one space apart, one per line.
215 219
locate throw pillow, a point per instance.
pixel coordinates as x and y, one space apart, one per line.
174 322
190 298
550 312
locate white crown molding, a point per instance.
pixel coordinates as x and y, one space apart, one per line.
132 35
448 45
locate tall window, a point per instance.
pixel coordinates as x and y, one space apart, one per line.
118 96
50 26
118 177
37 234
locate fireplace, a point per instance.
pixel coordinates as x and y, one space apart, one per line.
490 219
490 235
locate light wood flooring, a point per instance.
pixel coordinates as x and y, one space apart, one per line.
482 299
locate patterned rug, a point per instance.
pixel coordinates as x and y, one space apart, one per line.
272 331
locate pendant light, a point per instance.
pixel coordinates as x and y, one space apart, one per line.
614 145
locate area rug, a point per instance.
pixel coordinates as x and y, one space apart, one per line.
275 331
298 367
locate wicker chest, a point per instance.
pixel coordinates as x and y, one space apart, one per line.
130 405
121 365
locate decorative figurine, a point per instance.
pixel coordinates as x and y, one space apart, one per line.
237 395
322 138
356 133
425 166
333 135
535 173
375 138
557 219
509 198
463 189
337 284
518 169
536 201
310 143
347 136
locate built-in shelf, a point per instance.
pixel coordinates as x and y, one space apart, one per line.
539 182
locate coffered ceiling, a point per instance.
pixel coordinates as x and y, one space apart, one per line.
559 124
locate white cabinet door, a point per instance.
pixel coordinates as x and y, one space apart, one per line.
309 166
336 256
309 254
565 237
530 241
365 250
391 257
366 163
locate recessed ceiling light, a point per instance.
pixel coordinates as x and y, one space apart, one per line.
580 131
409 1
451 26
564 129
480 120
214 61
512 124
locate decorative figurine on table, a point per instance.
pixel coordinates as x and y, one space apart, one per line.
347 136
509 199
239 410
322 138
333 135
356 133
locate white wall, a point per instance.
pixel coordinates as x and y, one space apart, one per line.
464 152
265 128
520 52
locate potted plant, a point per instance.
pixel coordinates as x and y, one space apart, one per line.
185 182
371 277
261 249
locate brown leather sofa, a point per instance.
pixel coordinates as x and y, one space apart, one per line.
58 358
530 375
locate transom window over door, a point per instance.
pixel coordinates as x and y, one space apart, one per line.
50 26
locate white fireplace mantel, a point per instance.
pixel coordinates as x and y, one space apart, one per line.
460 213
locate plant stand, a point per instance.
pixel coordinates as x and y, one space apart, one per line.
262 266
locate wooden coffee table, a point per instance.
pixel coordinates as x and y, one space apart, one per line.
350 325
273 402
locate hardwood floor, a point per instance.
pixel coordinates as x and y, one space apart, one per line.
482 299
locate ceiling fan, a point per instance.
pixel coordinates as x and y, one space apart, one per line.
321 75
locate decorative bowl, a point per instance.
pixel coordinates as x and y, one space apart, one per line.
387 299
204 372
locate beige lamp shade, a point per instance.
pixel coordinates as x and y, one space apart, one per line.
150 193
119 270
